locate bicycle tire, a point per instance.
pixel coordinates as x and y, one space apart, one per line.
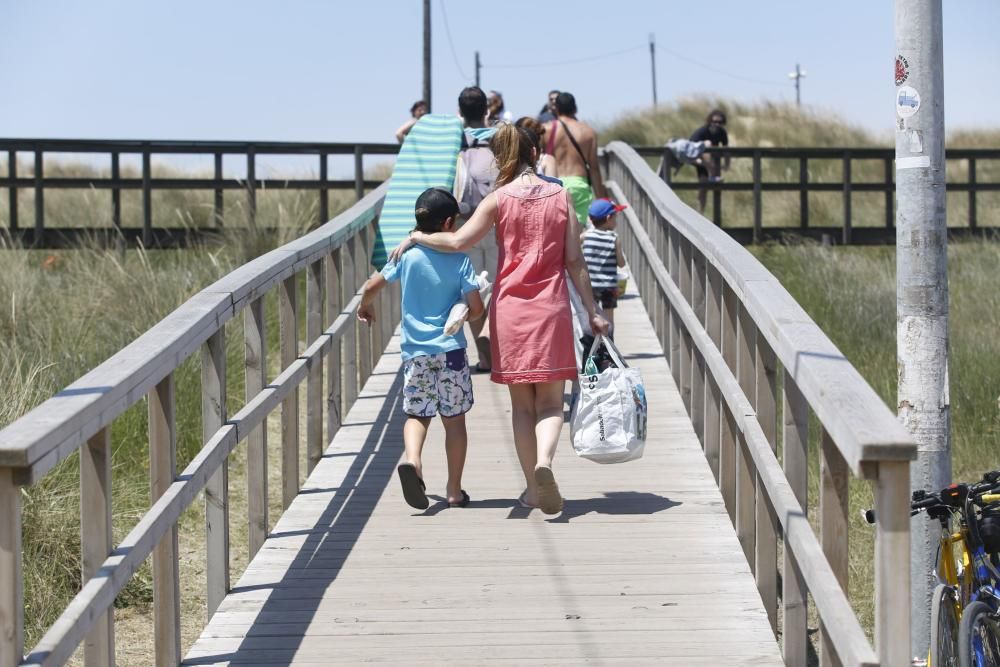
944 628
978 637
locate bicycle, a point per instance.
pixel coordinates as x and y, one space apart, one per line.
957 582
979 627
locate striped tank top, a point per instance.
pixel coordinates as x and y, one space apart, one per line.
602 261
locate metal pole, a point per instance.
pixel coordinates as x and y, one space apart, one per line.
652 60
478 66
427 54
922 279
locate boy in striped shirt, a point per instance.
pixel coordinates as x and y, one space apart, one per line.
603 253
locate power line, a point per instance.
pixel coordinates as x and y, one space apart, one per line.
719 71
451 44
569 62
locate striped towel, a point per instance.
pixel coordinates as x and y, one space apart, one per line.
426 160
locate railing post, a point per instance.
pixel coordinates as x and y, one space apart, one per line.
147 197
324 193
745 474
685 335
213 416
698 280
892 563
674 260
288 332
334 303
804 193
350 358
364 331
314 381
890 192
12 191
359 173
713 397
728 442
166 580
251 186
116 198
795 454
847 198
767 522
758 221
255 357
217 208
39 199
95 538
11 578
973 223
833 526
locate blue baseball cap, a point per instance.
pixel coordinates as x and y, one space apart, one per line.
602 208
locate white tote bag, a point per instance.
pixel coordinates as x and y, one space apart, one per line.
608 424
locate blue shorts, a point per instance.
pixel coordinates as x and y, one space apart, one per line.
437 384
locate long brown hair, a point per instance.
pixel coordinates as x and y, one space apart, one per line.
511 147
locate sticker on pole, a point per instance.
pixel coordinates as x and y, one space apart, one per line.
902 70
907 101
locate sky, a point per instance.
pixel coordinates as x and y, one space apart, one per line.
333 70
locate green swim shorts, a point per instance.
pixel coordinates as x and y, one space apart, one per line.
579 189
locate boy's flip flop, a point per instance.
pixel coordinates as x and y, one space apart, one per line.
463 502
414 489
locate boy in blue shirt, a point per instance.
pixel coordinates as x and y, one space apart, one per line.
435 366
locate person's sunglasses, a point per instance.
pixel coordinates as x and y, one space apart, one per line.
718 121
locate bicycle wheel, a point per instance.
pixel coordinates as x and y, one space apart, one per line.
978 637
944 628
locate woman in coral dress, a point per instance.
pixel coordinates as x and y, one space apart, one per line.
531 330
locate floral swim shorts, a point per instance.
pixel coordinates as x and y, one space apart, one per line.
437 384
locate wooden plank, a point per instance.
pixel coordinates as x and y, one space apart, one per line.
846 239
314 382
166 577
255 359
213 416
758 217
11 577
833 527
350 340
12 224
95 538
713 413
361 256
289 343
795 454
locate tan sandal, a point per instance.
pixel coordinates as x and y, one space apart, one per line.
550 501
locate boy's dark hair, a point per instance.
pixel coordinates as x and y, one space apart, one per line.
599 223
418 103
433 207
566 104
472 103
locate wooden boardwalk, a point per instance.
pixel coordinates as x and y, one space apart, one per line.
642 567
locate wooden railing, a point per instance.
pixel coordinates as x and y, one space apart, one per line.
735 339
151 234
848 184
334 259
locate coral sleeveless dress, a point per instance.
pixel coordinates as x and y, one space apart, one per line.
531 330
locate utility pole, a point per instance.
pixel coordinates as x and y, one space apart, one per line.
427 54
798 75
922 280
652 59
478 67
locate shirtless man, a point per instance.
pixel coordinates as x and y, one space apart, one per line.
571 166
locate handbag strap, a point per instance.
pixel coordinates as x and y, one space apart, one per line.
612 350
579 150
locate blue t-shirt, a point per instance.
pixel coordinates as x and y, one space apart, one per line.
432 282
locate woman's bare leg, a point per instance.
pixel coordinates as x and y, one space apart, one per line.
522 414
548 419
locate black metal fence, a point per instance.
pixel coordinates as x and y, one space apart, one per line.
38 235
846 233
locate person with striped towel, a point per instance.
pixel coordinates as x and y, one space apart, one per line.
603 253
